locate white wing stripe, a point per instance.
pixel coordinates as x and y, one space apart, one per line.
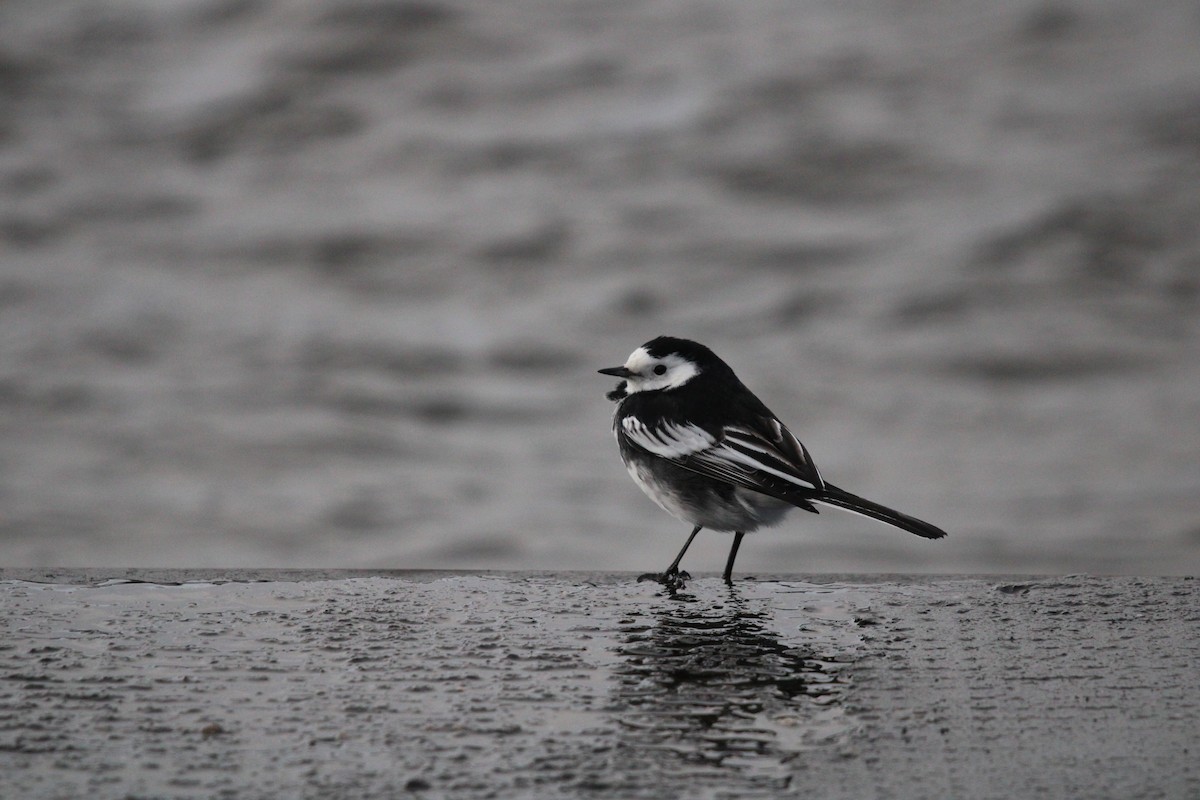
729 454
748 442
669 440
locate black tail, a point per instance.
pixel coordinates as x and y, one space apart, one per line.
834 496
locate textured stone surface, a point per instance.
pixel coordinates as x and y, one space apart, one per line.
350 685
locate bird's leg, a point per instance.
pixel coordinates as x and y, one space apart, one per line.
737 542
673 578
674 568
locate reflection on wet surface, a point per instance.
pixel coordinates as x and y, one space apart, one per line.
470 686
575 687
726 690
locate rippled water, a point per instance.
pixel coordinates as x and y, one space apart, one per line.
293 283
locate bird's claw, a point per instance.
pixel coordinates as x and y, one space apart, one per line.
672 580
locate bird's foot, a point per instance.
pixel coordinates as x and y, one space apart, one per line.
672 579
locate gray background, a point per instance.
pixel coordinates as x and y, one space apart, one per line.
326 283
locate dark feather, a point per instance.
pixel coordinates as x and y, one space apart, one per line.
851 502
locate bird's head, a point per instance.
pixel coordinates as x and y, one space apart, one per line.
661 365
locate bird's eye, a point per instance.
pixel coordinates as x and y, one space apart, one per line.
660 369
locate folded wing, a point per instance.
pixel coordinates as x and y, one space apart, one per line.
765 457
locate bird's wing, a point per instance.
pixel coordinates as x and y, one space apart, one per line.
768 453
671 440
763 456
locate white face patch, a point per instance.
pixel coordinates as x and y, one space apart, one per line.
676 371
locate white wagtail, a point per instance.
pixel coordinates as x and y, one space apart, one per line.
705 449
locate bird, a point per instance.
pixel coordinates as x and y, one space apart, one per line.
705 449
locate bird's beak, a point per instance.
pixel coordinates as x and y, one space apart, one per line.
616 372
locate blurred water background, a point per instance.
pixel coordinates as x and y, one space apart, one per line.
300 283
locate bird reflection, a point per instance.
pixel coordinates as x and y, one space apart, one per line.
712 688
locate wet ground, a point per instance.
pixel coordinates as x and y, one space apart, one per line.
352 685
326 282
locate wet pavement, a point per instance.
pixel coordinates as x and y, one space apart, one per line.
181 684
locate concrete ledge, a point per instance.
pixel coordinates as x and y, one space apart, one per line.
267 684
